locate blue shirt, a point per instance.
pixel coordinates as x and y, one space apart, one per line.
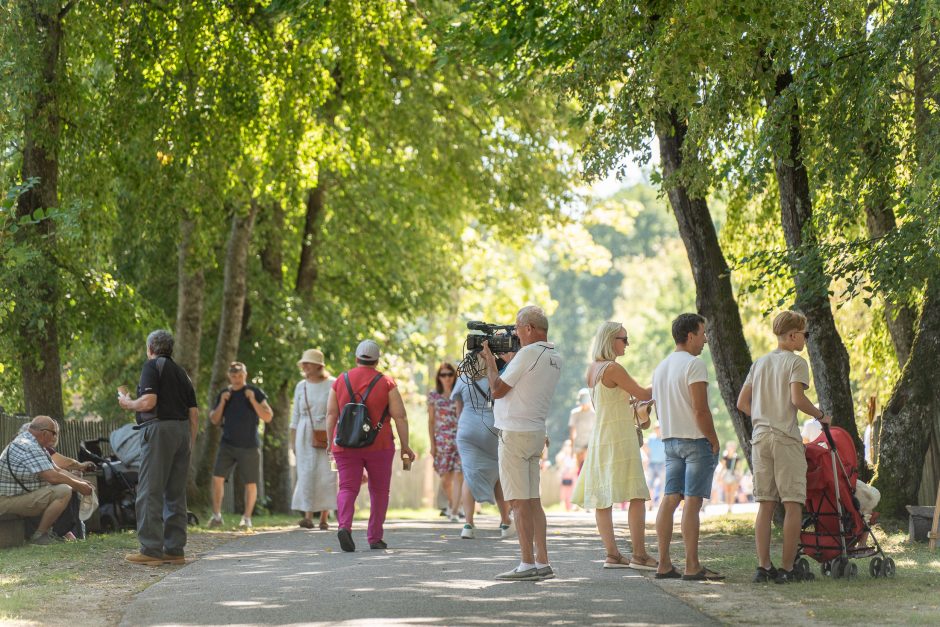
657 450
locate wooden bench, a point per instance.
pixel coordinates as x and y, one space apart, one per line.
12 530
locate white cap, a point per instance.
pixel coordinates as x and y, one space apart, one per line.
367 351
88 506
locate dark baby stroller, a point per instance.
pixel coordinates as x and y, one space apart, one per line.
834 529
117 478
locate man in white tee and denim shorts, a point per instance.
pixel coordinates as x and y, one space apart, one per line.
680 389
523 396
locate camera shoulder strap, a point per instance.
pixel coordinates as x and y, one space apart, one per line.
10 467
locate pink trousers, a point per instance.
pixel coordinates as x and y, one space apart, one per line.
378 464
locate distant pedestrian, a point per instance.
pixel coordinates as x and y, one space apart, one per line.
239 408
655 466
730 473
478 444
442 431
581 421
680 389
169 420
523 397
775 389
384 402
315 490
613 470
567 467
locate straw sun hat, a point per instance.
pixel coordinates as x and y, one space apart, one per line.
311 356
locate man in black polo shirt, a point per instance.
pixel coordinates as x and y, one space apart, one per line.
168 419
239 408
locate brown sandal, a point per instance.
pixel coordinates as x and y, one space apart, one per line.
619 562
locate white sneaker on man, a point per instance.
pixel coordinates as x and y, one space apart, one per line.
467 532
507 531
245 522
215 521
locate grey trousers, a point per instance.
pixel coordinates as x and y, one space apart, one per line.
161 487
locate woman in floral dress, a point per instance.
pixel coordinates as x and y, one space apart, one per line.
442 428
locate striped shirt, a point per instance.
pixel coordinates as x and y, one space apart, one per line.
26 458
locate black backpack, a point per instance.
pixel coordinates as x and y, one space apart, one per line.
354 429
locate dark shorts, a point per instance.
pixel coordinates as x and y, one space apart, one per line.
247 460
690 466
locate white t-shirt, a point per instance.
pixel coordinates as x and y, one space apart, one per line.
770 378
533 374
671 381
583 421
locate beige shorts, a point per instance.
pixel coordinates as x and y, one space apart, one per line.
779 468
33 503
520 455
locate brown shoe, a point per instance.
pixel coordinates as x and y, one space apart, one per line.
324 525
173 559
306 523
146 560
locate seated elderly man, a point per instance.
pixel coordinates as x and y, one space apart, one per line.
30 482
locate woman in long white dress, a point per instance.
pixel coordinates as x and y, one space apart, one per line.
316 483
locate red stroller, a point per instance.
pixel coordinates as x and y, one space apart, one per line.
834 530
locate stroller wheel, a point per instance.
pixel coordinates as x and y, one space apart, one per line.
826 568
802 565
191 519
888 568
839 567
874 567
851 571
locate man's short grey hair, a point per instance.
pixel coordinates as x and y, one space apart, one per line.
160 343
530 314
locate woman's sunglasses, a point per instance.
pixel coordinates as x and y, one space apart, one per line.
446 373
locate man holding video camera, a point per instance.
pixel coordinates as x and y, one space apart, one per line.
523 396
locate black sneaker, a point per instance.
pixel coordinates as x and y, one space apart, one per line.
346 541
763 575
793 576
378 546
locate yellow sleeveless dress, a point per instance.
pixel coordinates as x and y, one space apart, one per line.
612 471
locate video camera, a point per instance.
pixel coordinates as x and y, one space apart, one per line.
502 338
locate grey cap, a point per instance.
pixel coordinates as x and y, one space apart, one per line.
367 351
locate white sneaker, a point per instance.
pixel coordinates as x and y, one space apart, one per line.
467 532
245 522
215 521
507 531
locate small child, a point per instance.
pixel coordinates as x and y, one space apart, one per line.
774 390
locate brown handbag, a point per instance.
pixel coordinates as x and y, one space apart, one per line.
642 411
319 435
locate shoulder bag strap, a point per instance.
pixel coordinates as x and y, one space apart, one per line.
13 474
377 378
352 395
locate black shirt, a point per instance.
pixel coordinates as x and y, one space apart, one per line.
174 390
240 420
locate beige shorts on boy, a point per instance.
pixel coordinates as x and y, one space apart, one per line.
520 455
779 468
33 503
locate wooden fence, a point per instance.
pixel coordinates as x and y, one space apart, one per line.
71 432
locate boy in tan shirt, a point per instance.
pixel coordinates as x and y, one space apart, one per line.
774 390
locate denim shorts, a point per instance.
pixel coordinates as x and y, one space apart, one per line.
690 466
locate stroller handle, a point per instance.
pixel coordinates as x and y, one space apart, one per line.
825 428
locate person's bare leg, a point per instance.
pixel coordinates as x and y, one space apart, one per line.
218 489
605 529
539 530
792 520
690 530
457 491
447 481
637 520
765 516
667 507
52 513
469 505
524 528
251 495
502 505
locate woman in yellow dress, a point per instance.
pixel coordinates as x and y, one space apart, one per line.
613 471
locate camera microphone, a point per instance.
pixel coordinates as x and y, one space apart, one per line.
476 325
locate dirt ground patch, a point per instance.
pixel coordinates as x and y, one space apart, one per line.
111 585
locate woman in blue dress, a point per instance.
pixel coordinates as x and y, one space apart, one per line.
477 443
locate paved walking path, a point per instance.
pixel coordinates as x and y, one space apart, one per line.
429 576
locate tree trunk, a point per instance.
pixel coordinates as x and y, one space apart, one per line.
828 357
714 296
191 289
909 417
230 326
309 246
37 308
277 482
899 319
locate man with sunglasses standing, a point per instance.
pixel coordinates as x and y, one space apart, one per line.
30 482
522 396
774 390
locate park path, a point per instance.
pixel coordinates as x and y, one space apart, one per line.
429 576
